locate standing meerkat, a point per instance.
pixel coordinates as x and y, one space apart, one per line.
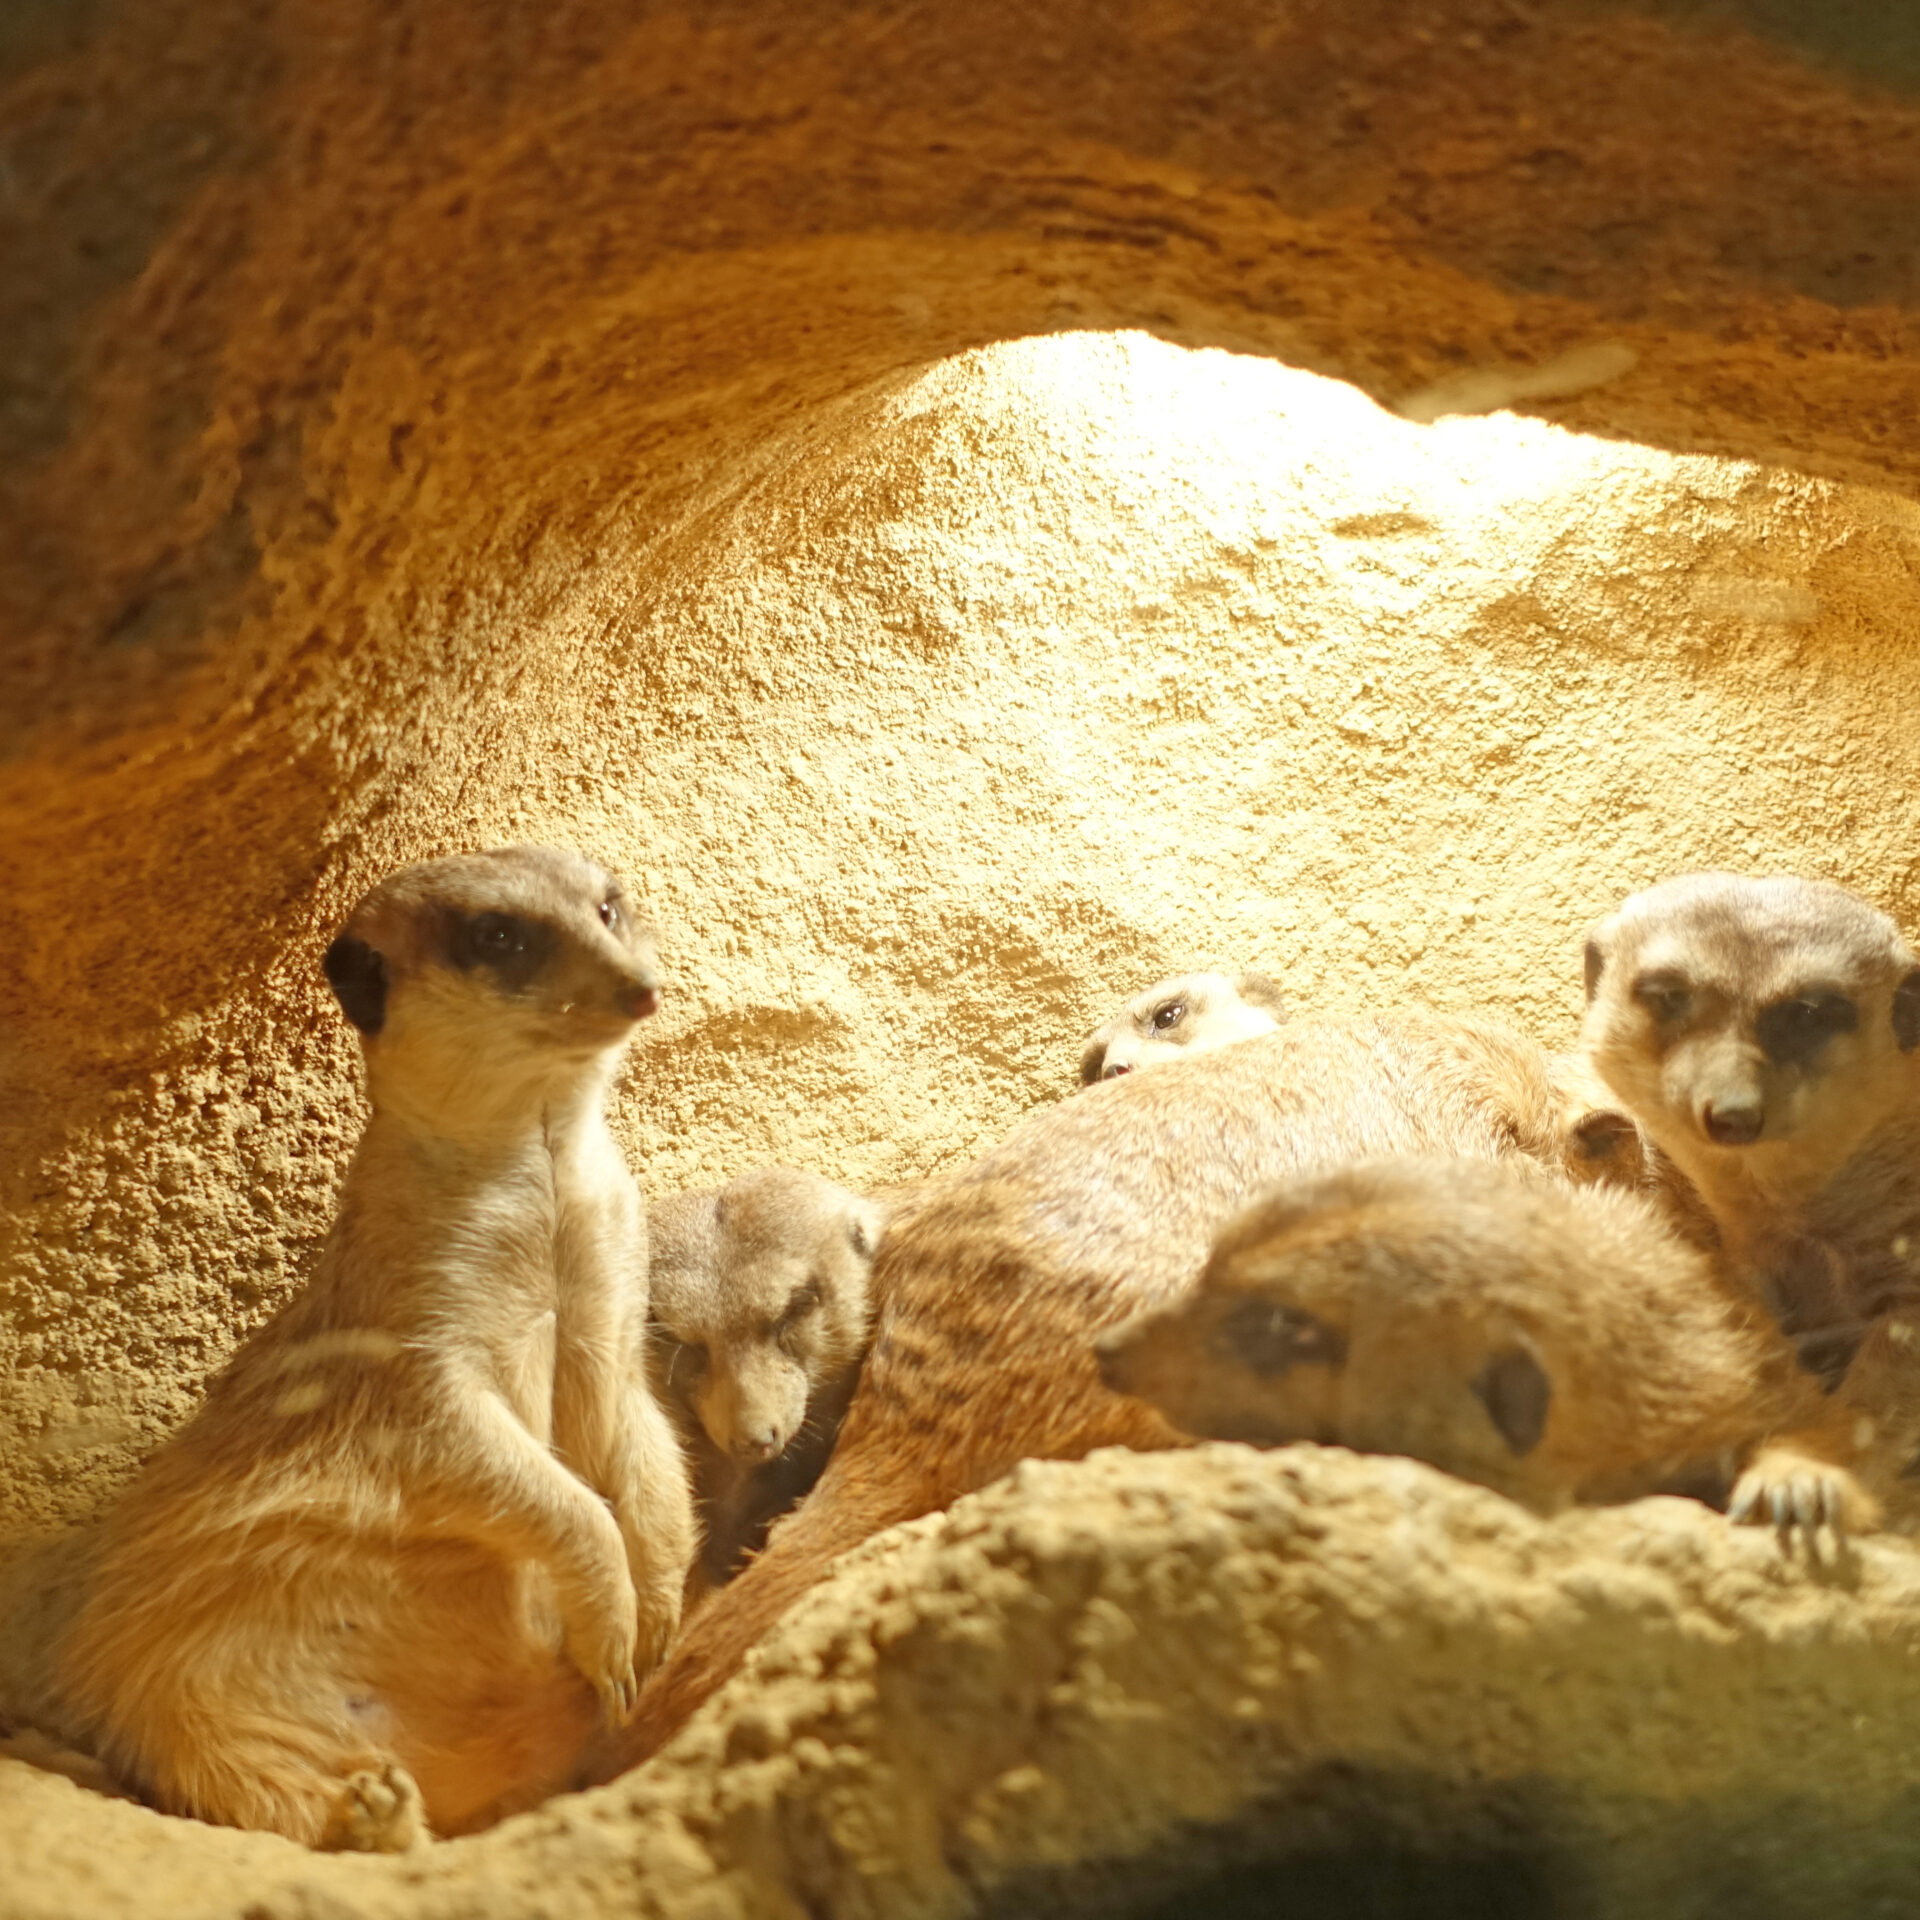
1554 1342
761 1300
429 1517
994 1285
1183 1014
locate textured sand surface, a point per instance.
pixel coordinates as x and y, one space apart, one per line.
916 490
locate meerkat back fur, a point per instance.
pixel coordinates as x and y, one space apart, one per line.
761 1307
1186 1013
429 1518
992 1286
1557 1343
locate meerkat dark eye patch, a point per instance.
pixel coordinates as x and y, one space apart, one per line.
1169 1015
1664 995
513 950
1268 1339
358 976
1906 1012
1515 1390
804 1302
1792 1032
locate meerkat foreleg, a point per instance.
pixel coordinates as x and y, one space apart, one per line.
1787 1487
498 1485
652 1499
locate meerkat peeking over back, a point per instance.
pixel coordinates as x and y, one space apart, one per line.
1185 1013
1759 1030
760 1297
1556 1343
429 1516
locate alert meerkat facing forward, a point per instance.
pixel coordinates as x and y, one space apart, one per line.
1766 1036
1557 1343
429 1517
761 1298
1185 1013
1765 1033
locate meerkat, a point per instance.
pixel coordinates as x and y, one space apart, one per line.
993 1288
760 1308
1180 1015
429 1524
1765 1034
1557 1343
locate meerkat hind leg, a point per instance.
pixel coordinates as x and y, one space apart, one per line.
376 1811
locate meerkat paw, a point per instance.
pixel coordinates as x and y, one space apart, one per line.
1786 1489
376 1813
609 1662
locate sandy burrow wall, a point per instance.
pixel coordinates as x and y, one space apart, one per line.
879 480
709 445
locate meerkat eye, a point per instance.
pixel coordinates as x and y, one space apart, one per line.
1168 1016
609 914
1667 998
486 939
1797 1029
802 1304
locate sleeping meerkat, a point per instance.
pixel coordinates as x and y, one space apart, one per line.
1182 1014
992 1286
1556 1343
429 1517
760 1299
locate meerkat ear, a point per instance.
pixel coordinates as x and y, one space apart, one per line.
1596 964
1601 1133
1257 990
1906 1012
865 1224
1514 1388
358 976
1092 1058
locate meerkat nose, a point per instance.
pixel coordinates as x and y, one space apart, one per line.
1117 1069
1736 1124
639 1000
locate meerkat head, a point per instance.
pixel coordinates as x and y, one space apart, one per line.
514 968
1357 1308
1187 1013
1766 1023
765 1300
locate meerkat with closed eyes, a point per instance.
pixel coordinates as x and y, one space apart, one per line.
1558 1343
761 1309
430 1517
1185 1013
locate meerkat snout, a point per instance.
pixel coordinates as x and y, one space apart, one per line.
1186 1013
